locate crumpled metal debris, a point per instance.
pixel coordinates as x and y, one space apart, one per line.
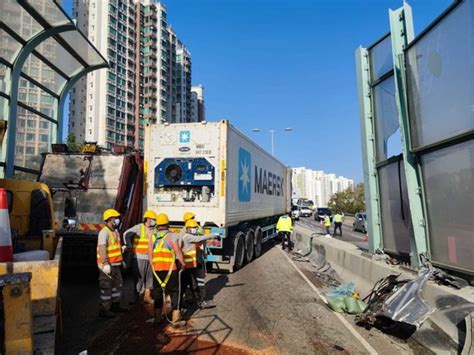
406 304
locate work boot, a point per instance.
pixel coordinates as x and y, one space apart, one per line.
105 312
147 297
158 317
176 320
116 308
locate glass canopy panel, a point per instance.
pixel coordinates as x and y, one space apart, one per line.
448 178
9 47
82 47
33 96
43 73
50 12
18 19
4 73
381 61
440 72
59 56
33 137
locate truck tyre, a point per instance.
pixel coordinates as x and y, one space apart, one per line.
249 241
239 251
258 242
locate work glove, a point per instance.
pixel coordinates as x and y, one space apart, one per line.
106 269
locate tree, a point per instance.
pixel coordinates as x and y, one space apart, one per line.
349 201
71 143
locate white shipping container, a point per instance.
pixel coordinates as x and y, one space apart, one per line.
215 171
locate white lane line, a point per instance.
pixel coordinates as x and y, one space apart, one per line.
343 320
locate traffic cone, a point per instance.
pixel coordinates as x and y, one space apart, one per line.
6 250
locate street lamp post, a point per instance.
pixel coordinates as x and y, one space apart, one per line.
272 135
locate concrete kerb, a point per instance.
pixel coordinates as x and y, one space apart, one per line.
351 264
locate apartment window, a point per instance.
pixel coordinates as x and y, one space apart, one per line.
30 150
31 124
32 97
19 150
44 124
44 138
30 137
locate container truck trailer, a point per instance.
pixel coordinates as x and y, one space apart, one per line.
236 189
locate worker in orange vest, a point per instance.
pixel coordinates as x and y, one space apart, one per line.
137 241
167 259
109 260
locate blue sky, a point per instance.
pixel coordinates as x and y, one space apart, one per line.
272 64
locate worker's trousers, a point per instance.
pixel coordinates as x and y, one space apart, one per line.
285 240
337 225
110 286
328 229
198 280
142 274
171 289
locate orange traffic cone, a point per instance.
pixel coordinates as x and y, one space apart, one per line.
6 250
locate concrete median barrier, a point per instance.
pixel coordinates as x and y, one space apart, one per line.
351 264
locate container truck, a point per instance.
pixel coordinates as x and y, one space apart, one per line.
236 189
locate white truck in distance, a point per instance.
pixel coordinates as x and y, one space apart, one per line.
235 188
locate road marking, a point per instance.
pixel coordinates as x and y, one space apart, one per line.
343 320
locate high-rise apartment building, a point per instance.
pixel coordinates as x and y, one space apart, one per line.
34 133
317 185
112 106
198 109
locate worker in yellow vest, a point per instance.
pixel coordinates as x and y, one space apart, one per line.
109 260
167 259
136 239
327 224
192 245
284 228
338 219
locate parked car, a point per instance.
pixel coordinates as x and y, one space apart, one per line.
321 212
360 222
295 213
305 211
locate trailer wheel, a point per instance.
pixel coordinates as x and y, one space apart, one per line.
239 251
258 242
249 245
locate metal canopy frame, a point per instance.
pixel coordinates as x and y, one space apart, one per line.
87 62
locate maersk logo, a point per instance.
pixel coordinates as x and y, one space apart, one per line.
245 161
184 136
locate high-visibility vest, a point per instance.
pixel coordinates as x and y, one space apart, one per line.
327 221
190 259
338 218
140 244
163 258
284 224
113 247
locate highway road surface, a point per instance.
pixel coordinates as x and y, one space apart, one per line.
271 306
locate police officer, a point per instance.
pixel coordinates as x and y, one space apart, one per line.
284 228
338 219
109 260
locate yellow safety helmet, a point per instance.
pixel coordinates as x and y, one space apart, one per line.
110 213
188 215
162 219
149 214
191 223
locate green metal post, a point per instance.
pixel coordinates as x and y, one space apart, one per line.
67 87
366 114
401 27
14 81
